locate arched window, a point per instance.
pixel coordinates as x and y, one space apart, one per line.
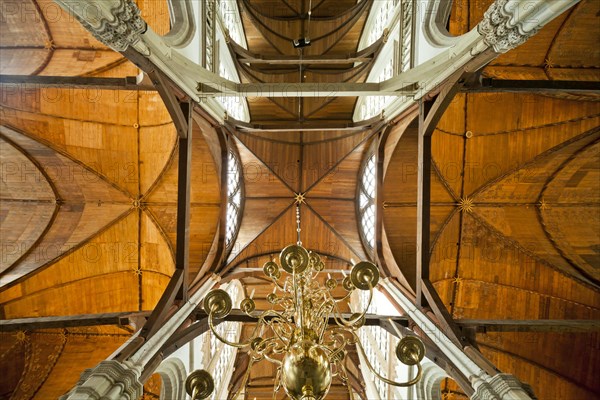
379 346
366 201
234 198
234 105
373 105
230 17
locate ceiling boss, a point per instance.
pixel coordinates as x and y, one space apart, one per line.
304 333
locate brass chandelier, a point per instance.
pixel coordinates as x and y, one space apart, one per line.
304 333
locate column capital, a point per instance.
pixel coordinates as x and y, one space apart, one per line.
116 23
510 23
499 30
501 387
110 379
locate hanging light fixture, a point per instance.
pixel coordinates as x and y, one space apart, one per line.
304 40
308 337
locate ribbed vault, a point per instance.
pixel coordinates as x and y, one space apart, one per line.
515 197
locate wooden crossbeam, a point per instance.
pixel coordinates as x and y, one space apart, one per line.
72 321
164 304
293 60
302 89
488 85
536 325
423 200
479 325
76 82
370 319
184 173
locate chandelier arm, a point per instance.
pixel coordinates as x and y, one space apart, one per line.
211 325
339 349
343 298
283 340
295 293
325 322
271 359
276 282
270 312
350 323
350 394
285 327
344 379
382 378
245 379
269 344
277 383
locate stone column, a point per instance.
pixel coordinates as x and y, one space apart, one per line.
115 380
487 387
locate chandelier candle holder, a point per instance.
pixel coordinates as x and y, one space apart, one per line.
199 385
309 337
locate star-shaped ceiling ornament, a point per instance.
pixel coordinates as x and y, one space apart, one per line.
542 205
300 198
466 204
21 336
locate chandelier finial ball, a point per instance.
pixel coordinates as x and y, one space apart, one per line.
306 373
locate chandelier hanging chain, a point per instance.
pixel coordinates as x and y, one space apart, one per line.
298 228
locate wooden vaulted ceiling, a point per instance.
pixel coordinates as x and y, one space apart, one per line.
334 30
515 210
89 188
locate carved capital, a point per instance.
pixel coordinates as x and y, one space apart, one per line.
124 29
110 379
501 387
116 23
501 27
